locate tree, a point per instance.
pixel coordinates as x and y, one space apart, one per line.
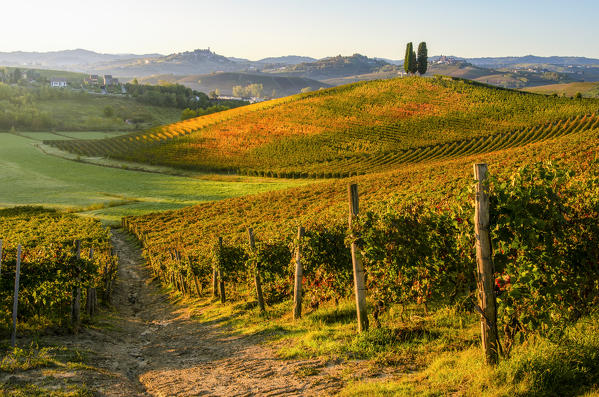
256 90
413 63
238 91
188 114
408 58
213 94
108 111
16 75
422 58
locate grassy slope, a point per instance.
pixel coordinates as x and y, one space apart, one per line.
587 89
356 122
72 77
87 113
31 177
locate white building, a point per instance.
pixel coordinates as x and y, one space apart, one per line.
58 82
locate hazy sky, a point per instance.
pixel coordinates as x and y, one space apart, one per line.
259 28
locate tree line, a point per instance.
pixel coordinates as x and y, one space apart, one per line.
194 103
416 63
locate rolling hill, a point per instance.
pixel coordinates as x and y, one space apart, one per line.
78 60
332 67
225 81
587 89
499 62
359 128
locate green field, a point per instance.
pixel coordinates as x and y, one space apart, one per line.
42 108
30 177
41 136
87 113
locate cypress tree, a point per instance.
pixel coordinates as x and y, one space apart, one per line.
422 58
408 58
413 63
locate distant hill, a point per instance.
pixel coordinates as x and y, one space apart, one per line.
504 78
287 60
333 67
462 69
183 63
513 72
500 62
77 60
224 82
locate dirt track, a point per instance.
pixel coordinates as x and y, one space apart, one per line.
153 348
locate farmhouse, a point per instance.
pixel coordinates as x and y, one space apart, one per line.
92 79
58 82
109 80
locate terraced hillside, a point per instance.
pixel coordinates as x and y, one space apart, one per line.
355 129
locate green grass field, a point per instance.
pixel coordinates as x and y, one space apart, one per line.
41 136
28 177
87 113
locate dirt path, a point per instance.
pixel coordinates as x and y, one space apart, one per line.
154 348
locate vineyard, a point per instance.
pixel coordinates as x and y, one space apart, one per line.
53 269
288 263
415 234
351 130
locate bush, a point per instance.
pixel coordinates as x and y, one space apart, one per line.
545 238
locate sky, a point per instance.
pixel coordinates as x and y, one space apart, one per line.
256 29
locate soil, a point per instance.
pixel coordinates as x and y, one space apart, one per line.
149 346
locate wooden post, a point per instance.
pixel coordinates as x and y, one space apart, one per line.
90 300
197 284
76 314
0 257
299 275
15 303
221 282
257 281
214 282
484 265
359 284
94 289
183 286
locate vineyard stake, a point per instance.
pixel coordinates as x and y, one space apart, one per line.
197 284
214 282
0 257
299 274
76 315
220 271
89 302
15 303
257 281
359 287
484 264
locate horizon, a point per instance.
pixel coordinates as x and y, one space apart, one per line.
298 55
266 28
